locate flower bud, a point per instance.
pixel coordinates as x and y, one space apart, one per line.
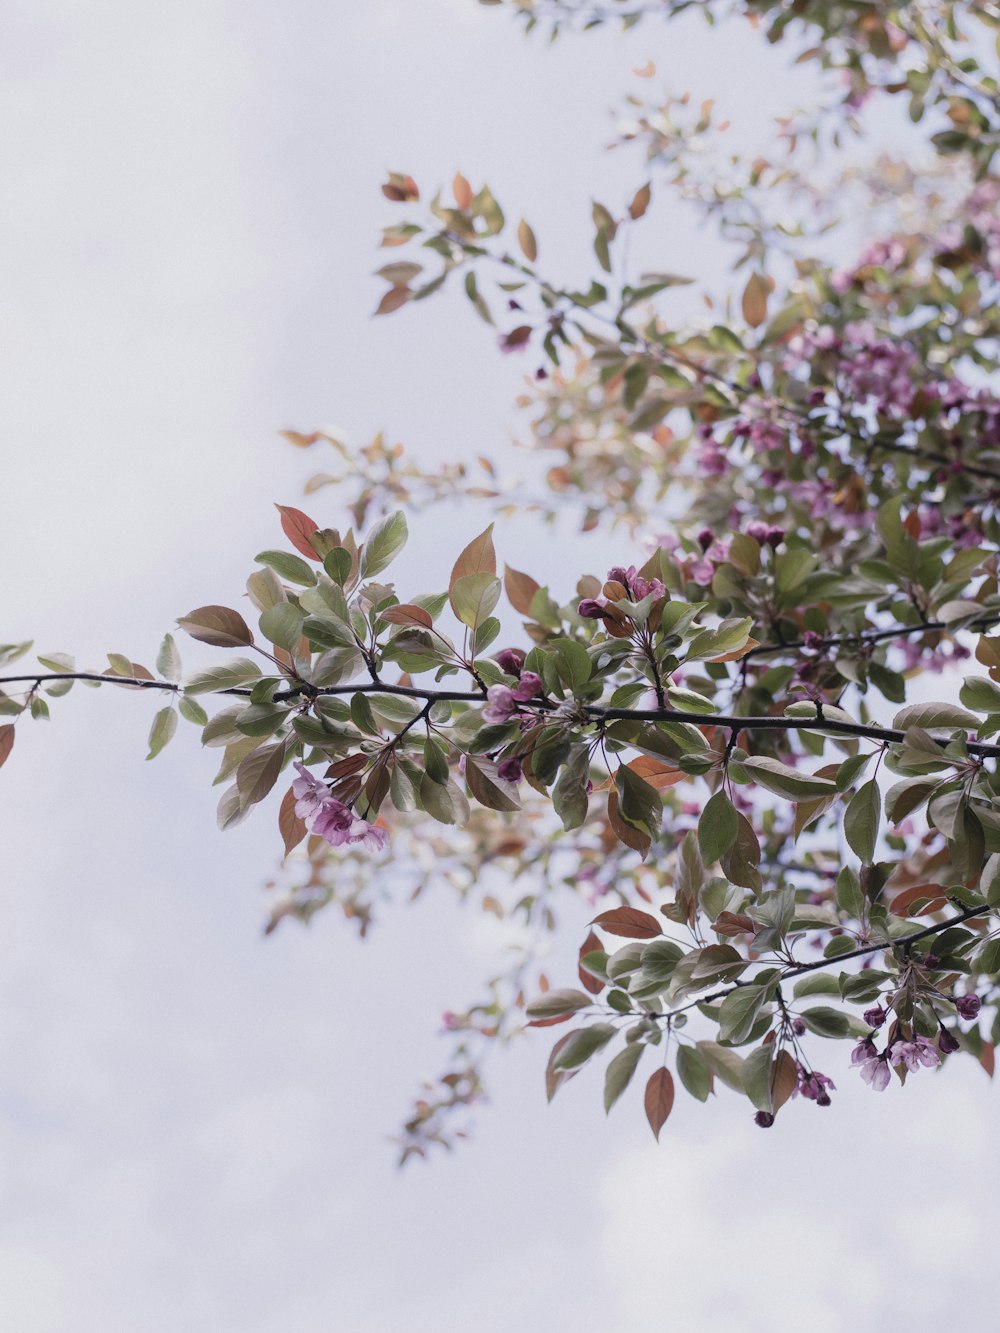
968 1006
510 660
590 609
764 1118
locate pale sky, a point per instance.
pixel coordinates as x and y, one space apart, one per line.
194 1121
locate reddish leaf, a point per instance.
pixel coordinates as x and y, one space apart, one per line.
987 1057
290 826
640 202
784 1078
298 528
462 191
217 625
589 982
932 895
479 557
520 588
6 742
392 300
755 296
659 1099
405 614
629 922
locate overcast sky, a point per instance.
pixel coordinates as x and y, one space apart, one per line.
194 1121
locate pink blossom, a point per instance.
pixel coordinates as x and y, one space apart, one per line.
527 687
329 818
500 705
913 1054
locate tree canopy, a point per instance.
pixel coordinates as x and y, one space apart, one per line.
763 747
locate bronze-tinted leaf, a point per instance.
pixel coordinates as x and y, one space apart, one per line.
526 240
392 300
784 1077
258 772
755 297
659 1099
462 191
298 528
629 922
587 979
218 625
640 202
479 557
6 742
290 826
520 589
405 614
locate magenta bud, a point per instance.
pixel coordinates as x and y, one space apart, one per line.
968 1006
510 770
510 660
705 538
875 1016
947 1042
590 609
616 574
764 1118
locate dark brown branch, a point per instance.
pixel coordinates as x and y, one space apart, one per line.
801 969
593 713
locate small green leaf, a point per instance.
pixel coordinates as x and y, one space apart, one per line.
290 567
718 828
619 1073
385 541
861 821
164 726
282 625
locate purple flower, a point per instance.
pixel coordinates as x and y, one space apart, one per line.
913 1054
618 574
500 704
529 685
510 770
329 818
758 531
874 1068
875 1016
590 609
813 1086
309 794
968 1006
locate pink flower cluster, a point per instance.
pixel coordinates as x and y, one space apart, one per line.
502 700
916 1053
329 818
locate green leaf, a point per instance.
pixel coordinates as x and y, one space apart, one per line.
192 712
694 1072
488 787
582 1044
827 1022
725 1064
474 596
718 828
640 803
981 694
290 567
282 625
385 541
929 715
164 726
258 772
224 677
738 1013
730 637
619 1073
861 820
569 795
785 781
168 659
